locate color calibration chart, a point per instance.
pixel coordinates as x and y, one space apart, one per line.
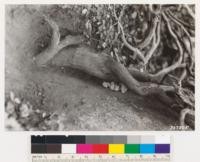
52 148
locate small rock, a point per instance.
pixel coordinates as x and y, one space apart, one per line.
130 40
123 88
24 110
44 114
124 57
10 108
141 70
17 101
116 50
134 15
104 45
112 86
37 111
106 84
116 88
84 11
108 16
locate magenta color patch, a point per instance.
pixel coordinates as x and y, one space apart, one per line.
84 148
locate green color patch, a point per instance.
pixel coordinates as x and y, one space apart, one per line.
132 148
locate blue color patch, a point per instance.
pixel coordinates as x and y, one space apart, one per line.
147 148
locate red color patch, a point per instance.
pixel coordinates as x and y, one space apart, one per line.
100 148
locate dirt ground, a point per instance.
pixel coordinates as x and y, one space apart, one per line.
79 98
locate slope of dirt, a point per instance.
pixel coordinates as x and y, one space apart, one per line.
79 98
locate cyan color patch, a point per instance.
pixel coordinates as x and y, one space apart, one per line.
147 148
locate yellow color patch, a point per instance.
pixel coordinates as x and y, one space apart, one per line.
116 148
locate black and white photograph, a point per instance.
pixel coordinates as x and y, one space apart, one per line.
99 67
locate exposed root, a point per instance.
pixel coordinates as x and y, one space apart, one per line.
155 43
186 95
56 44
150 35
134 49
106 68
189 51
142 89
189 26
177 64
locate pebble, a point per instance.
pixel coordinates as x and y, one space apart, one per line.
44 114
24 109
37 111
84 11
124 57
130 40
116 88
104 45
112 86
123 88
106 84
10 108
134 15
141 70
17 101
